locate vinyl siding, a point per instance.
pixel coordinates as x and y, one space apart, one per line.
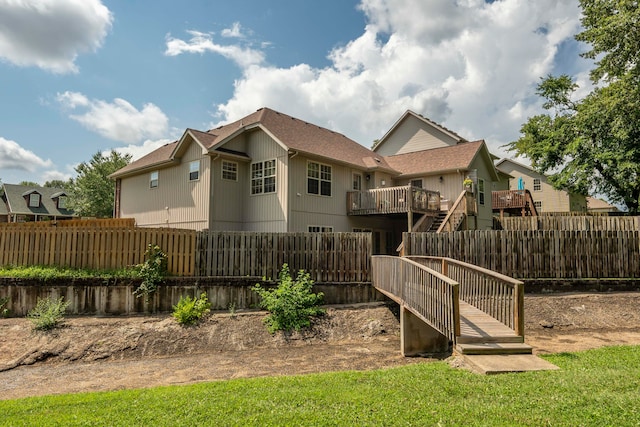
187 201
450 187
414 135
228 198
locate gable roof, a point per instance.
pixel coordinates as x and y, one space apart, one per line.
500 166
438 160
423 119
16 203
293 134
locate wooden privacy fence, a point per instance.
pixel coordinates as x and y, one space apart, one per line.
327 257
94 223
570 223
537 254
96 248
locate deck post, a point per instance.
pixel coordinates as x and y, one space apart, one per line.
417 337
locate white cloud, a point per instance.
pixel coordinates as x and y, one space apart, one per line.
117 120
244 56
235 31
13 156
138 151
50 34
470 65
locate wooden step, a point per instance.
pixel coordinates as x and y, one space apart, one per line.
473 339
494 348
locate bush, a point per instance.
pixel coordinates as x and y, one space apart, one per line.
47 313
151 271
189 310
291 304
4 311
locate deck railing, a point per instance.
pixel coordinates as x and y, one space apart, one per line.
497 295
427 293
463 206
392 200
513 199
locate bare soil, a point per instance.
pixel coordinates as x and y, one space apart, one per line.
110 353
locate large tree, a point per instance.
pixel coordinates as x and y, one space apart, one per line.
92 192
592 145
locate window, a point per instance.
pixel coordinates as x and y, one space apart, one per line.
318 179
536 184
320 229
357 182
263 177
416 183
34 200
194 170
362 230
538 205
481 191
229 171
62 202
153 179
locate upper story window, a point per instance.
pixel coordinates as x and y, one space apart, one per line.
357 182
320 229
153 179
34 200
263 177
229 170
538 205
537 186
194 170
318 179
416 183
62 202
481 191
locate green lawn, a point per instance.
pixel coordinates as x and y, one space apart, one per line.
599 388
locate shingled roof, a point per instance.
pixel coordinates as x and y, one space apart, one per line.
436 160
16 201
295 134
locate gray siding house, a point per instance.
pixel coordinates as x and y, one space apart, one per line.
21 203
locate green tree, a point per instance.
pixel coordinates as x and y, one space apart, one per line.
592 144
92 191
29 184
57 183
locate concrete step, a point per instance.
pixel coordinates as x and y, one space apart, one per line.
494 348
504 363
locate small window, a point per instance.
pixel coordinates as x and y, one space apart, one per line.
538 205
153 179
194 170
481 191
263 177
229 171
357 182
34 200
320 229
416 183
362 230
318 179
62 202
537 186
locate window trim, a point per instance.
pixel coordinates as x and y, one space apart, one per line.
265 165
538 205
192 171
62 202
320 179
152 180
354 176
537 181
39 200
481 191
415 180
234 172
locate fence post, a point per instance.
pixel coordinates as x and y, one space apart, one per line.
518 309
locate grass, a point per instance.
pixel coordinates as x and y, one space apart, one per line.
52 273
593 388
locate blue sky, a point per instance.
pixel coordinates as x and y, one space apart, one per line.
82 76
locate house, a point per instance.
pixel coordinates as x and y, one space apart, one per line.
272 172
599 205
21 203
545 197
428 155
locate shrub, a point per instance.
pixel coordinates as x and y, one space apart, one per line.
47 313
151 271
189 310
291 304
4 311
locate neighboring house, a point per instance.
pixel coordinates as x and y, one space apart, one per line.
21 203
599 205
545 197
272 172
433 157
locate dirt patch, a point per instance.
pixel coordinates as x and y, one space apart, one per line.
91 353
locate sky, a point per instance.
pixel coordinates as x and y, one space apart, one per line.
78 77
